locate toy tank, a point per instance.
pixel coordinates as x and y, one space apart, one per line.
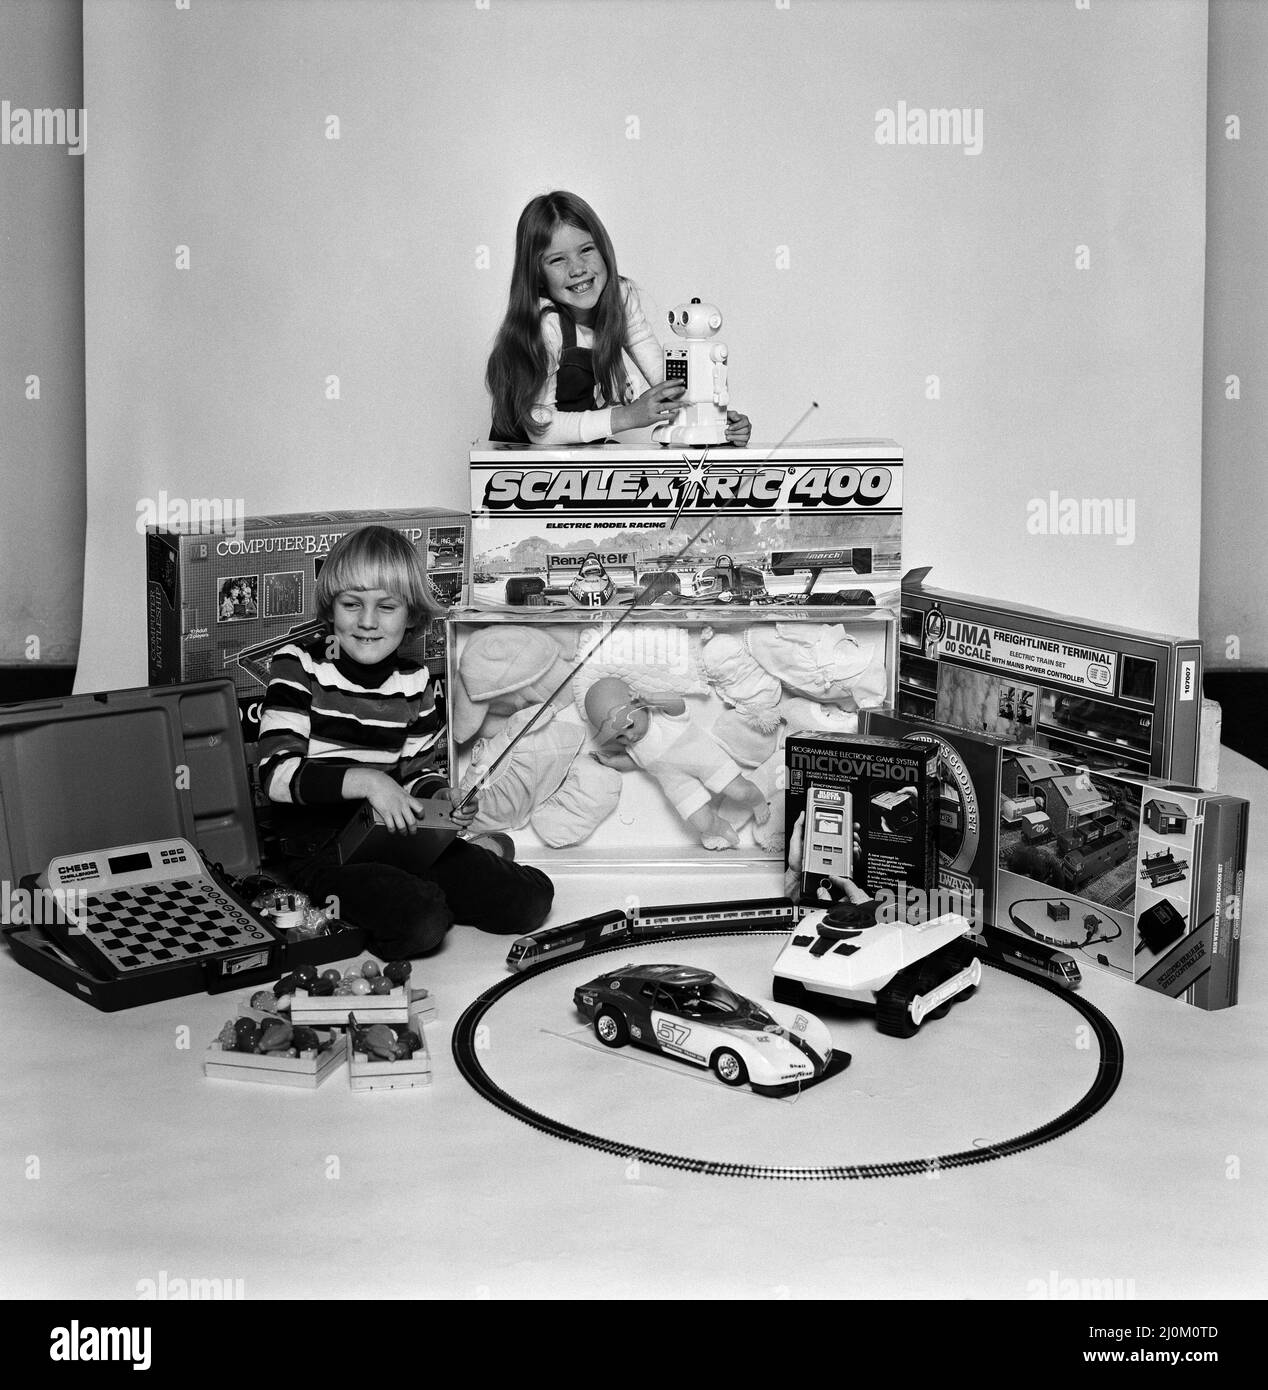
904 971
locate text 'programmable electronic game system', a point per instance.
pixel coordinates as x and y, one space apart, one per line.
1107 696
221 602
123 818
606 525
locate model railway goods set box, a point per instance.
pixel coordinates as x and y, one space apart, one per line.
867 807
1108 697
965 807
120 816
1142 878
221 602
599 525
704 698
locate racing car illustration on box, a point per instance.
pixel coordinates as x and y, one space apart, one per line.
690 1014
906 972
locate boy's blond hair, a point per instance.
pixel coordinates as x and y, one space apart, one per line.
376 557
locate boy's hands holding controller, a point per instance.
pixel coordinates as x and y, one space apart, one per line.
462 816
396 808
391 802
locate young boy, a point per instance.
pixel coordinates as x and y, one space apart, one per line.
347 719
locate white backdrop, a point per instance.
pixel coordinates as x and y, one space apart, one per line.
1025 320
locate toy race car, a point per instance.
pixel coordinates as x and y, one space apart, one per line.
905 972
690 1014
727 582
593 586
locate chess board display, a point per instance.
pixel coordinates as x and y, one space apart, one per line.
136 907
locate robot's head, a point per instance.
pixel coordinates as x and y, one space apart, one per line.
695 320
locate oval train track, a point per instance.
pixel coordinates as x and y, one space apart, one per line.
1109 1071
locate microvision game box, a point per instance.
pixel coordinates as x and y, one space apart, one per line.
1108 697
595 526
966 806
221 602
1140 878
866 808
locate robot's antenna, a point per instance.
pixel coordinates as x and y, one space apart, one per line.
635 604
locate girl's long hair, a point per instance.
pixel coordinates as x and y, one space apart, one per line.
518 364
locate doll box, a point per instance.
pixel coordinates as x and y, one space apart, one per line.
126 767
1082 869
221 600
721 689
596 525
273 1070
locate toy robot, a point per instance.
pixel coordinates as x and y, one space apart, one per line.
701 365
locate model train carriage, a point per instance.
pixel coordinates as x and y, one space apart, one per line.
774 914
690 1014
568 938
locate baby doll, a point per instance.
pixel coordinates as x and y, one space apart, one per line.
693 771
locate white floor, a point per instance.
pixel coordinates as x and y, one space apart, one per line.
122 1164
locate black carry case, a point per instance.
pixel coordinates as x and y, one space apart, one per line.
124 767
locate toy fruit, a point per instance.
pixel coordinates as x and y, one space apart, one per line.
274 1037
398 971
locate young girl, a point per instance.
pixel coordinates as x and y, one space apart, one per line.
347 719
555 372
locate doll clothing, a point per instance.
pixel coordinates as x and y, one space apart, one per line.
688 765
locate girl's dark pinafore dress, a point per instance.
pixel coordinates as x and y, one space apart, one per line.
574 384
